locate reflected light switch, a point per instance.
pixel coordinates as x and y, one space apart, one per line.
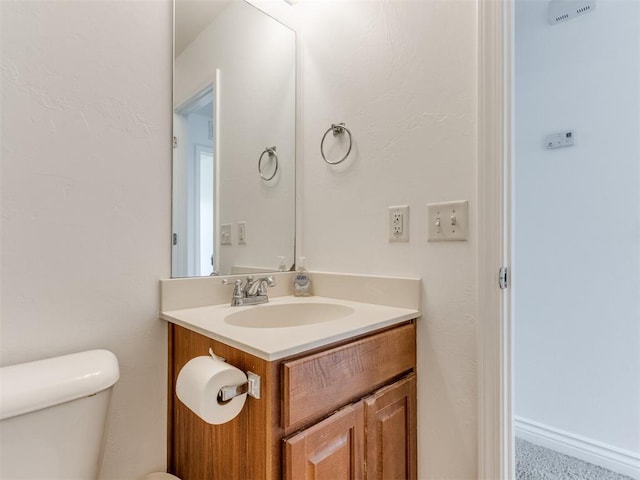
225 234
242 233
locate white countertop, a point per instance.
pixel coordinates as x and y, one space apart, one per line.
275 343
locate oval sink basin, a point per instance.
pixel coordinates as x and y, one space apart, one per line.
287 315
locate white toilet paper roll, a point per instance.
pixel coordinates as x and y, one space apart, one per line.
198 385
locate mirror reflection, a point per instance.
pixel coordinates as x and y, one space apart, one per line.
234 140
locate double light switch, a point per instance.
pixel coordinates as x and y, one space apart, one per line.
448 221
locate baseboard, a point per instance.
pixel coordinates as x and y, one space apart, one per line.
592 451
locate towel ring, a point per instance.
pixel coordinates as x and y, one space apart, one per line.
337 129
270 151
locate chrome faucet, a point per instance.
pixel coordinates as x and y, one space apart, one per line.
253 292
258 286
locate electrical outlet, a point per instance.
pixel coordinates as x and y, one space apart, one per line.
448 221
399 223
225 234
242 233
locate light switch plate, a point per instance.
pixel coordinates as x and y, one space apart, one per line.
448 221
399 223
225 234
242 233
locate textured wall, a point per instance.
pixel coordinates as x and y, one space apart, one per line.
86 124
86 210
577 211
402 75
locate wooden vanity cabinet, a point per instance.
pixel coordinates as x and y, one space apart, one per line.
345 410
374 438
391 431
331 449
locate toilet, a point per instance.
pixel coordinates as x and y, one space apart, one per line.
52 416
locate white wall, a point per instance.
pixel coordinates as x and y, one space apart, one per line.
402 75
577 285
255 56
85 177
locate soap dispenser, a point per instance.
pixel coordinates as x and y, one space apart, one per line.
282 267
301 281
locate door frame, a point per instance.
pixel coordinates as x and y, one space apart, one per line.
495 157
193 100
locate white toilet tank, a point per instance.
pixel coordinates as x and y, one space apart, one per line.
52 416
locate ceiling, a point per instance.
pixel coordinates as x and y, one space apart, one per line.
191 17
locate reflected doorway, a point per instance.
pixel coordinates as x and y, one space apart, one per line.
193 241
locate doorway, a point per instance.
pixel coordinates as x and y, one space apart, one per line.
194 186
575 233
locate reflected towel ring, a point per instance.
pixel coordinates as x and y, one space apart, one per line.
271 151
337 129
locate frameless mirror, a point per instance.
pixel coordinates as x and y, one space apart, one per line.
234 140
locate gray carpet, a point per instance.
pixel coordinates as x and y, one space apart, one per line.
538 463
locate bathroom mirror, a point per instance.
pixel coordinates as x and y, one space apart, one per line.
234 140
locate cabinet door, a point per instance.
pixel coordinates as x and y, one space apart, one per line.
390 419
329 450
316 385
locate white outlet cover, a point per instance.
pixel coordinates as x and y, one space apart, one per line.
225 234
399 223
242 233
448 221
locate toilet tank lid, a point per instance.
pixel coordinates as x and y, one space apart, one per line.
27 387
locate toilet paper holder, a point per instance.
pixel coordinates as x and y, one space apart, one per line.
228 392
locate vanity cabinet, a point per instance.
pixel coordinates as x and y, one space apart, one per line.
391 431
374 438
331 449
345 410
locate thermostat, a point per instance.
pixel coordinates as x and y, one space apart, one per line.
558 140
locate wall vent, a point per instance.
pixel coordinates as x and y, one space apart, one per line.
564 10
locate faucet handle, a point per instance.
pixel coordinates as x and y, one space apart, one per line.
265 282
237 289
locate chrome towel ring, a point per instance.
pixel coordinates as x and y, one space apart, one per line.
271 151
337 129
